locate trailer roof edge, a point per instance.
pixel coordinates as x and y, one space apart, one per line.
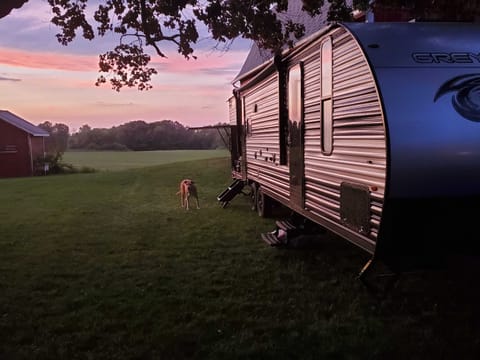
297 47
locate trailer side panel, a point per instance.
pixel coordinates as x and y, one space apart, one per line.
261 109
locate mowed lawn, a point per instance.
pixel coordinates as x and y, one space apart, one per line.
107 265
122 160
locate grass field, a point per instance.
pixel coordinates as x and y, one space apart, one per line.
123 160
108 266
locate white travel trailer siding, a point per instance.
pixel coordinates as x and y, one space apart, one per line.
372 131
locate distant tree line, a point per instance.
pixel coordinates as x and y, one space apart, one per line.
142 136
134 135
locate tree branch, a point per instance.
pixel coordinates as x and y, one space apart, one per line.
6 6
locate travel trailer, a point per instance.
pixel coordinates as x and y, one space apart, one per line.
369 130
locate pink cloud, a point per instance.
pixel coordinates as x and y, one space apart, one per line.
226 64
207 63
51 61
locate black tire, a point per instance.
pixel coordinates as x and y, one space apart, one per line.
263 203
253 195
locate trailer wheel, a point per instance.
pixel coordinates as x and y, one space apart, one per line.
263 203
253 195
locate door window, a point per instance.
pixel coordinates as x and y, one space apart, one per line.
326 97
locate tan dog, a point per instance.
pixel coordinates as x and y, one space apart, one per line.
187 190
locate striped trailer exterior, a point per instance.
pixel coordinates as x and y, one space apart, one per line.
372 131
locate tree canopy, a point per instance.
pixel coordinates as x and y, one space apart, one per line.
139 135
57 142
151 24
6 6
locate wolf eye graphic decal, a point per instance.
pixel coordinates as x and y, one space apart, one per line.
466 97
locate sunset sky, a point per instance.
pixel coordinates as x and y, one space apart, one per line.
41 80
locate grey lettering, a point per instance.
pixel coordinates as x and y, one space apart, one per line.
475 56
424 58
461 58
442 57
449 58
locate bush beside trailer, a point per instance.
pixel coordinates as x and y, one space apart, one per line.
371 130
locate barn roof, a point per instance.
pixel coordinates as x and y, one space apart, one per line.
258 56
22 124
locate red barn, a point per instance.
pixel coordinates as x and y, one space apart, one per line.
22 146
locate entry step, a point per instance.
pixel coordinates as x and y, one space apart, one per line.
294 232
285 225
229 193
272 239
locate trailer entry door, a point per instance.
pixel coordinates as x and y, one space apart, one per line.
295 133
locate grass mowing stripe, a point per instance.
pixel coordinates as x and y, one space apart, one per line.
122 160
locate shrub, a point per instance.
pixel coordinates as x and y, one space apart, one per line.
56 166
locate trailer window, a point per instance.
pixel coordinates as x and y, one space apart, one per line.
295 94
246 121
326 97
327 127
